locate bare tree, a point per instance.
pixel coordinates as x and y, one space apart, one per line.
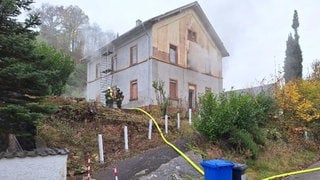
95 38
51 24
68 29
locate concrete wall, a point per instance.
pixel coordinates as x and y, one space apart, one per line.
165 71
124 73
35 168
93 90
93 81
137 72
123 51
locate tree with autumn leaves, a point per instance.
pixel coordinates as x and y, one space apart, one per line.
298 98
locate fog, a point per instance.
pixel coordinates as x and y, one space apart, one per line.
253 32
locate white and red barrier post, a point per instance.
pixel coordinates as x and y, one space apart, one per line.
115 172
89 166
178 119
190 119
150 129
126 144
166 123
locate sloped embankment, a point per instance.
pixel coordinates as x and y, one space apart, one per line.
77 124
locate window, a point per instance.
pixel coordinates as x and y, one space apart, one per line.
133 55
134 90
173 54
173 89
97 70
192 36
113 61
192 96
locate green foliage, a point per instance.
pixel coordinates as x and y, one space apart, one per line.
267 105
162 99
235 118
300 102
56 65
76 82
242 140
293 59
29 71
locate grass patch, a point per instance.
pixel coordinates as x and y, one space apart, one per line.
278 158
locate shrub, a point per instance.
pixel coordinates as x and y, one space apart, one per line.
242 140
267 105
235 118
162 99
300 102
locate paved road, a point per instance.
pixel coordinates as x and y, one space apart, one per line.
164 163
176 169
307 176
153 164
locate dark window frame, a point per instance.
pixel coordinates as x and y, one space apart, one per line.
173 48
192 35
134 90
98 70
134 59
173 89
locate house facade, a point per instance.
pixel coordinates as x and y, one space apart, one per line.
179 48
38 164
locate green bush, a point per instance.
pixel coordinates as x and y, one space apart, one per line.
234 117
242 140
268 106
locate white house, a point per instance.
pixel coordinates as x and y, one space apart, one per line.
180 48
49 164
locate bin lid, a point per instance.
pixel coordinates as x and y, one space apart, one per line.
214 163
238 166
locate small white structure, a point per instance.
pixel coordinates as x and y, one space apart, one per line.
37 165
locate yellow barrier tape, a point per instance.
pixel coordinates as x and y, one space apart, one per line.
171 145
293 173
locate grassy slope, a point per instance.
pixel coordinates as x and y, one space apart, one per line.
77 124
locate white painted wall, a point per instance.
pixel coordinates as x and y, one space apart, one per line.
35 168
124 73
93 82
139 73
93 90
165 71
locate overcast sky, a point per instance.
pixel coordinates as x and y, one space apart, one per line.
253 31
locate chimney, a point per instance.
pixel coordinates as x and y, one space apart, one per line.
138 22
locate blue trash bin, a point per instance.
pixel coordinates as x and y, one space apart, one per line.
217 169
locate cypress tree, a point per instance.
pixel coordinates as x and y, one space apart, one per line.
293 59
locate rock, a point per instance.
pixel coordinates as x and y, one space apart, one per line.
176 169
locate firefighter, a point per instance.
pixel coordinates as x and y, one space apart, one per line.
119 98
109 97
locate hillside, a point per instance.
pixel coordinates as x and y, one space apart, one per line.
77 124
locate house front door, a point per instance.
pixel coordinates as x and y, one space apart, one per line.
192 96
